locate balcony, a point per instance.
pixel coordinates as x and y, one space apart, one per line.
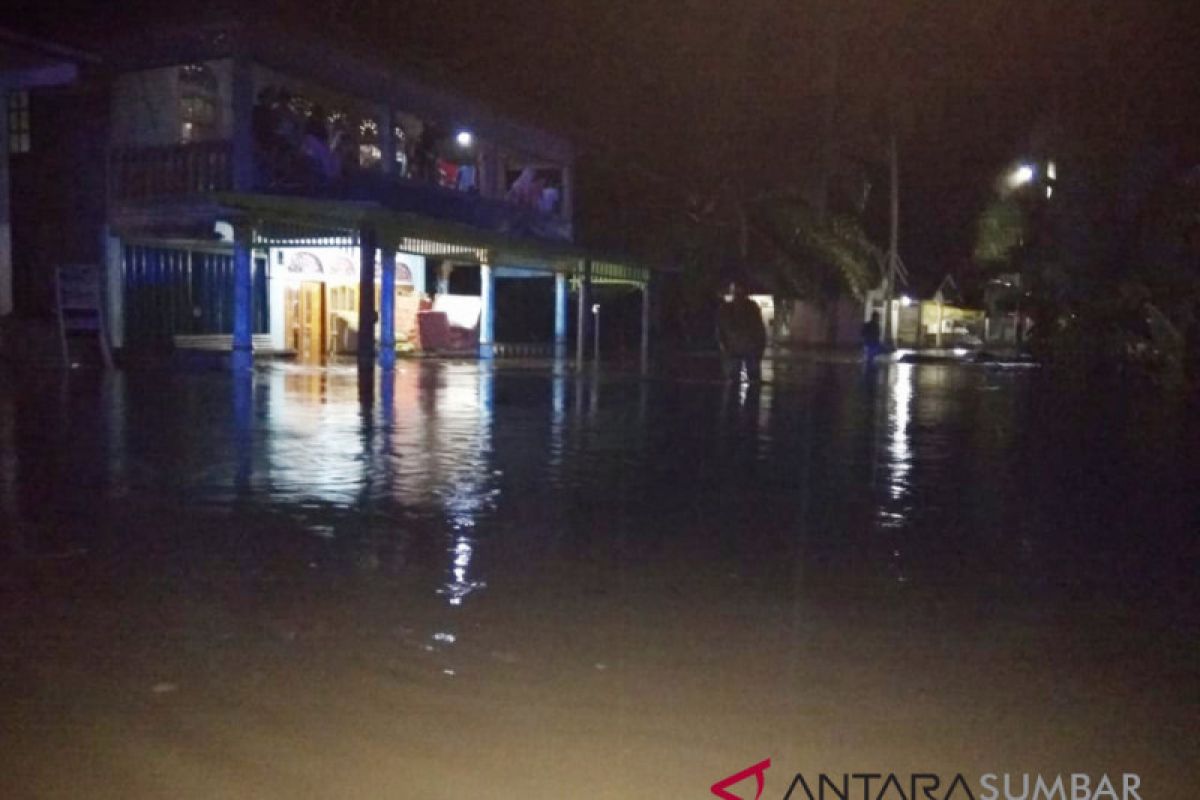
148 176
153 174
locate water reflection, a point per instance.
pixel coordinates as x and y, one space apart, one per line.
457 467
899 419
894 507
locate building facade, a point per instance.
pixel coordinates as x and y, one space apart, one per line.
249 189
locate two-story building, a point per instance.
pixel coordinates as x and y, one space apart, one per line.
259 189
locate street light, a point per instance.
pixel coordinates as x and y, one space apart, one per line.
464 139
1020 176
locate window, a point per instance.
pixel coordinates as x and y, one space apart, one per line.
197 103
18 123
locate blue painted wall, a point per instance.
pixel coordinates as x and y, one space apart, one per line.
172 291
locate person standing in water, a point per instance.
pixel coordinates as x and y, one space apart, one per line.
741 335
871 335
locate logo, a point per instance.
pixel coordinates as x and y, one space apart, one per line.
721 787
932 786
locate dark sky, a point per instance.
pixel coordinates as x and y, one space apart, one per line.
675 96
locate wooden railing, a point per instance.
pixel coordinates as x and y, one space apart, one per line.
157 173
172 171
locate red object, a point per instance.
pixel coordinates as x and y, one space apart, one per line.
433 327
721 788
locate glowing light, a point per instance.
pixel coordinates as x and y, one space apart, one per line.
906 301
464 138
1052 171
1020 176
1049 191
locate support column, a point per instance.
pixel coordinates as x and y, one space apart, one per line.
6 277
443 284
387 140
568 194
560 315
487 315
387 307
243 298
366 297
583 310
645 350
114 283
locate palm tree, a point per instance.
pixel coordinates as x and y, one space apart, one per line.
815 257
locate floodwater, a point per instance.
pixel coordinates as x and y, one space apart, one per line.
466 581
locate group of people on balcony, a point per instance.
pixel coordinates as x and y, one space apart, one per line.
536 190
299 144
294 148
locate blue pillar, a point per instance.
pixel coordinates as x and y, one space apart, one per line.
560 315
583 311
487 314
387 307
243 298
366 297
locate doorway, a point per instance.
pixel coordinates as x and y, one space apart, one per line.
305 321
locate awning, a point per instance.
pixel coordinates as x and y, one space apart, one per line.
280 220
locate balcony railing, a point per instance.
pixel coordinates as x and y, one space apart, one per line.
174 171
143 175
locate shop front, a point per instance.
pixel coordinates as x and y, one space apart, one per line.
314 298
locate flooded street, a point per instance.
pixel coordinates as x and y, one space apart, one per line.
467 581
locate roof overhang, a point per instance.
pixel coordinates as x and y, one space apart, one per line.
281 220
30 63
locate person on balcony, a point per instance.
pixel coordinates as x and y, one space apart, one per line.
316 146
345 146
550 196
526 190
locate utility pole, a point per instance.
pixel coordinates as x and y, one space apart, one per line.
893 257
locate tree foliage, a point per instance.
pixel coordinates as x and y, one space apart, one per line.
815 257
1001 229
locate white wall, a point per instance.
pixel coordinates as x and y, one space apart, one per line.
146 105
278 276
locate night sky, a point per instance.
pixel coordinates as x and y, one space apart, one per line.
683 97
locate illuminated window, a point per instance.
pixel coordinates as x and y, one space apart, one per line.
18 123
370 154
197 103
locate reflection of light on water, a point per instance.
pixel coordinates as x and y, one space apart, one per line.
558 423
315 447
461 585
468 495
430 452
899 416
893 513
